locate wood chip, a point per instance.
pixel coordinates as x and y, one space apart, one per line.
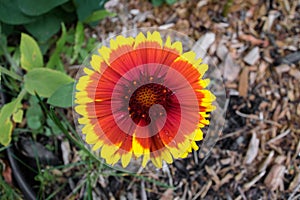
167 195
252 149
266 162
254 180
274 179
166 26
273 14
65 149
252 57
283 134
226 179
222 51
295 182
243 83
282 69
295 73
231 69
214 175
202 45
253 40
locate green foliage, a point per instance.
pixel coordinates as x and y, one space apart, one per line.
54 61
42 18
160 2
7 191
86 7
11 14
45 26
38 7
62 97
34 114
31 56
38 79
98 15
6 123
45 81
79 39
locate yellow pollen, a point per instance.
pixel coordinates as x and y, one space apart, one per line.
146 97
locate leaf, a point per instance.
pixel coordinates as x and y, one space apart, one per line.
62 97
11 13
38 7
55 59
34 114
45 81
79 39
6 131
44 27
98 15
18 115
170 2
6 112
84 8
31 55
10 108
157 2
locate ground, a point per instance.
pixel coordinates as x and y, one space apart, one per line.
255 44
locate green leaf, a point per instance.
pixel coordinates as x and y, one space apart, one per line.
34 114
18 116
157 2
8 109
62 97
6 112
84 8
38 7
170 2
79 39
11 13
98 15
6 131
45 81
6 29
44 27
55 59
31 55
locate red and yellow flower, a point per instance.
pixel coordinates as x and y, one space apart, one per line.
143 97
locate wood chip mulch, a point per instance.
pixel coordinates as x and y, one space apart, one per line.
256 46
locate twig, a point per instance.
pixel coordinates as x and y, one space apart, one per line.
279 136
233 134
255 117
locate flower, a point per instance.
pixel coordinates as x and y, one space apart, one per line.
143 98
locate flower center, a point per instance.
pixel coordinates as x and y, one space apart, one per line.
144 98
